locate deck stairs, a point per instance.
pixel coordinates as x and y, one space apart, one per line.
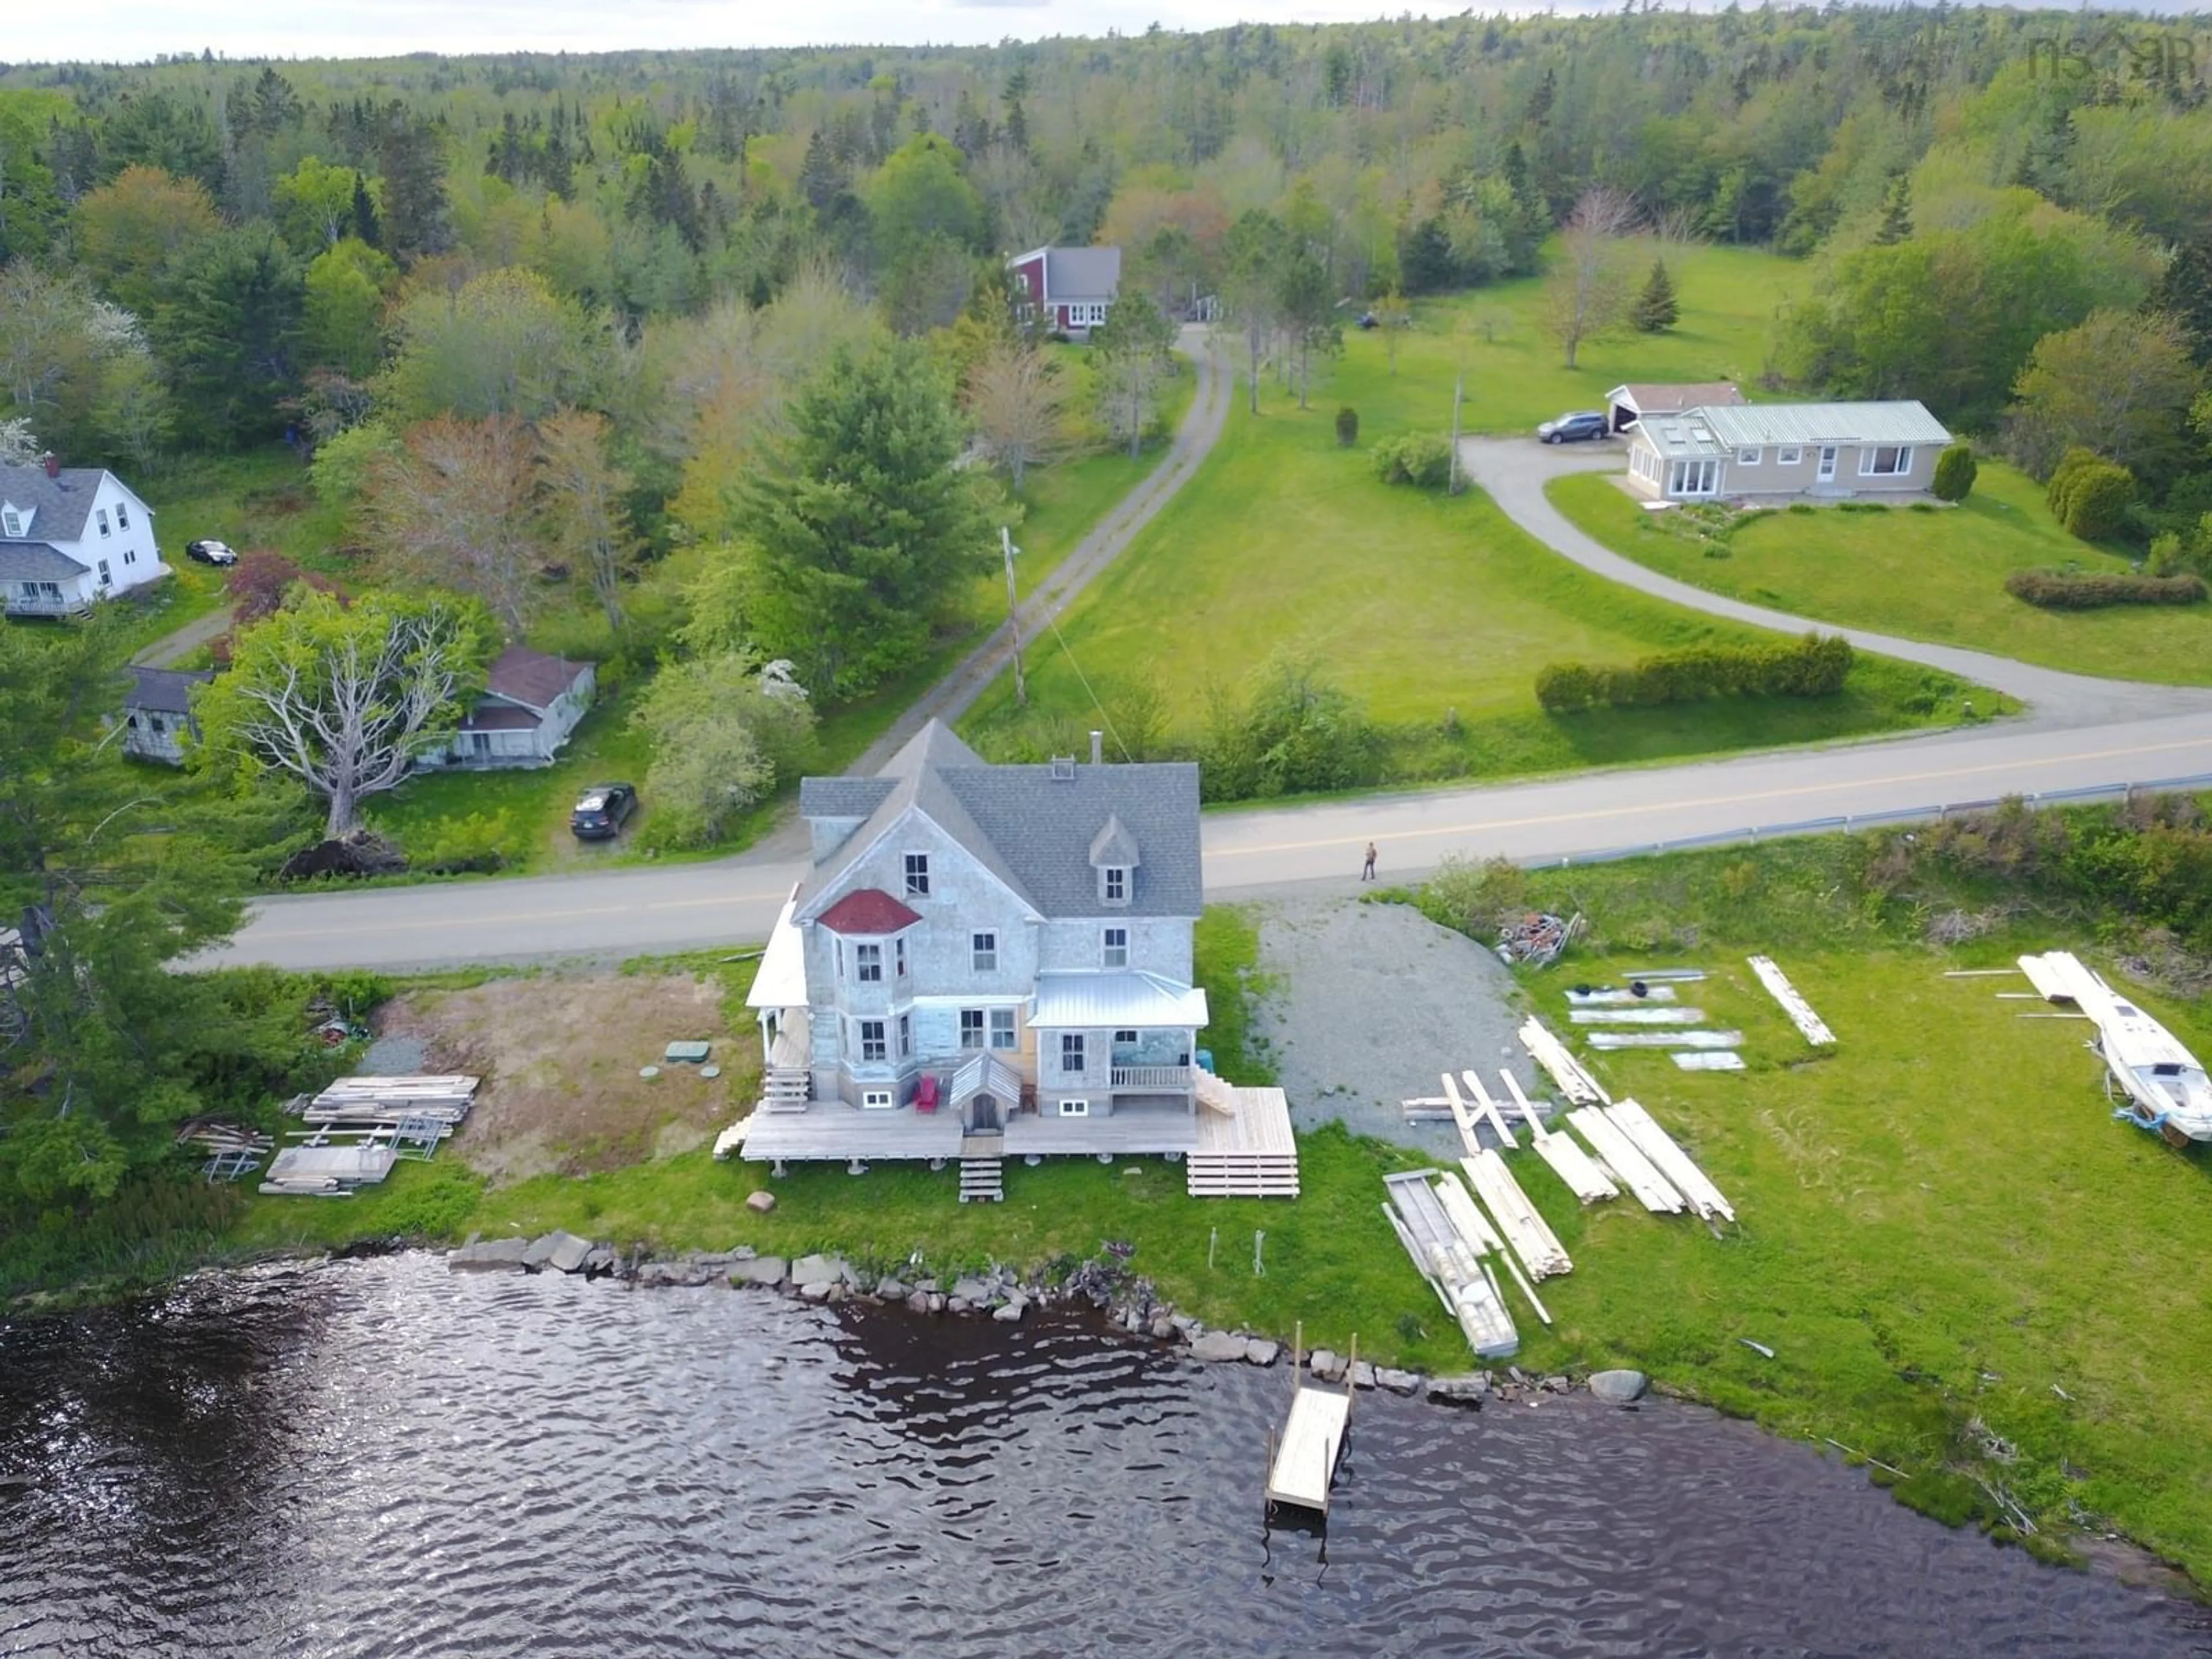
982 1170
786 1089
1252 1155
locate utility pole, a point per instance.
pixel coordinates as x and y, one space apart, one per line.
1013 616
1458 393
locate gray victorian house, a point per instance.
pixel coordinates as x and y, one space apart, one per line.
988 961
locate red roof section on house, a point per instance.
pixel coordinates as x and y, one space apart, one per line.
869 911
531 678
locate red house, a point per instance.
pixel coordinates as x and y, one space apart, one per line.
1069 288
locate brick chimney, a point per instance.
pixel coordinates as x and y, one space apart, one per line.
52 463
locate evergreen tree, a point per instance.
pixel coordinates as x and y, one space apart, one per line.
864 532
1896 213
1655 308
2186 294
413 163
365 226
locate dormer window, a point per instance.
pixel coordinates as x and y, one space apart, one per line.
1113 884
14 521
917 875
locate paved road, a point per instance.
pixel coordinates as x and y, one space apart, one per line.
687 906
952 696
1515 471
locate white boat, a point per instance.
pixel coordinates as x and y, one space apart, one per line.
2166 1086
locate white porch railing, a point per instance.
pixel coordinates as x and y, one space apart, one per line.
1150 1077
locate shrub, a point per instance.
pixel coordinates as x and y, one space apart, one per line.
1954 473
1294 732
2061 484
1347 427
1422 463
1806 507
2098 497
2174 553
2057 590
1814 666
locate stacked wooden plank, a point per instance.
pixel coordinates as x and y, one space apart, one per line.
329 1171
1622 1158
1707 1059
363 1101
1793 1003
1635 1015
1586 1179
1576 1087
1670 1160
2060 976
1532 1240
1451 1262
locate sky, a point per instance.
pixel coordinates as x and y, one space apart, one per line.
135 30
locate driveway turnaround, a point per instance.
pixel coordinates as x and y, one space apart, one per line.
1515 471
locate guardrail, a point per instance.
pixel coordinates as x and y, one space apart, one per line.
1850 821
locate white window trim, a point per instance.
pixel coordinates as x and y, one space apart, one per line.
1748 455
861 1041
917 880
875 1100
122 516
1107 947
1789 455
1826 470
977 951
1106 881
861 963
1075 1108
1868 452
1013 1030
982 1030
11 523
1082 1054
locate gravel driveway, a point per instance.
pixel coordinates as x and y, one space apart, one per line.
1369 1004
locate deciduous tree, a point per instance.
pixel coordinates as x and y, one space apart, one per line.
1131 351
2120 384
129 230
1018 405
342 698
582 495
501 344
1584 293
452 507
343 325
723 730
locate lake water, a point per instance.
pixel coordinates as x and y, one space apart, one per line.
378 1458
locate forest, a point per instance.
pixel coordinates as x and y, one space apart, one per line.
705 367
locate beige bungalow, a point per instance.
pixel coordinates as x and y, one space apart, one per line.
1818 452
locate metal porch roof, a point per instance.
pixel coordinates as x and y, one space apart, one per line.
1135 998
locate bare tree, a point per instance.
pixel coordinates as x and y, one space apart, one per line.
344 698
1394 317
1586 291
451 507
581 494
1019 408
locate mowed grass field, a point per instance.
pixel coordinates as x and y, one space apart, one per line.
1436 613
1934 575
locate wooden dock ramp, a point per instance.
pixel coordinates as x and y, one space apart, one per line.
1302 1463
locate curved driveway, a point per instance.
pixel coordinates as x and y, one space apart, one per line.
1515 471
2083 733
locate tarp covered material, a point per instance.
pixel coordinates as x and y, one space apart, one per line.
781 981
1135 998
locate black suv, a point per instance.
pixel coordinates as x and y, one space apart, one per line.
600 810
210 552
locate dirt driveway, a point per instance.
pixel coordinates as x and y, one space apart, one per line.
560 1056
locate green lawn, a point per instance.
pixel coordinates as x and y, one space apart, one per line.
1940 1220
1425 608
1936 576
1514 377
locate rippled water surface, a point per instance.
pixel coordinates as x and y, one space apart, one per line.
380 1458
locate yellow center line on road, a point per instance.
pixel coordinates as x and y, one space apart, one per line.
1642 808
510 918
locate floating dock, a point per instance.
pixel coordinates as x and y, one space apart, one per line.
1301 1462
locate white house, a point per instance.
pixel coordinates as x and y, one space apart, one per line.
1777 451
1069 288
157 711
530 705
69 536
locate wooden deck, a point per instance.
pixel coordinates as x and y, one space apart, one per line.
1249 1152
1305 1458
831 1129
1129 1131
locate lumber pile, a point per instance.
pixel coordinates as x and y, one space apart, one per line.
331 1171
1793 1003
1626 1163
1576 1086
1585 1178
1450 1259
1532 1240
371 1101
1670 1160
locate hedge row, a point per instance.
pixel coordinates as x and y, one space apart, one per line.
1814 666
2055 590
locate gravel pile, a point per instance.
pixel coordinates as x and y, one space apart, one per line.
394 1056
1369 1004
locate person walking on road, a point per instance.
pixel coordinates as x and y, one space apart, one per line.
1367 870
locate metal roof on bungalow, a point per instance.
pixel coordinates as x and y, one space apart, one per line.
1719 430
